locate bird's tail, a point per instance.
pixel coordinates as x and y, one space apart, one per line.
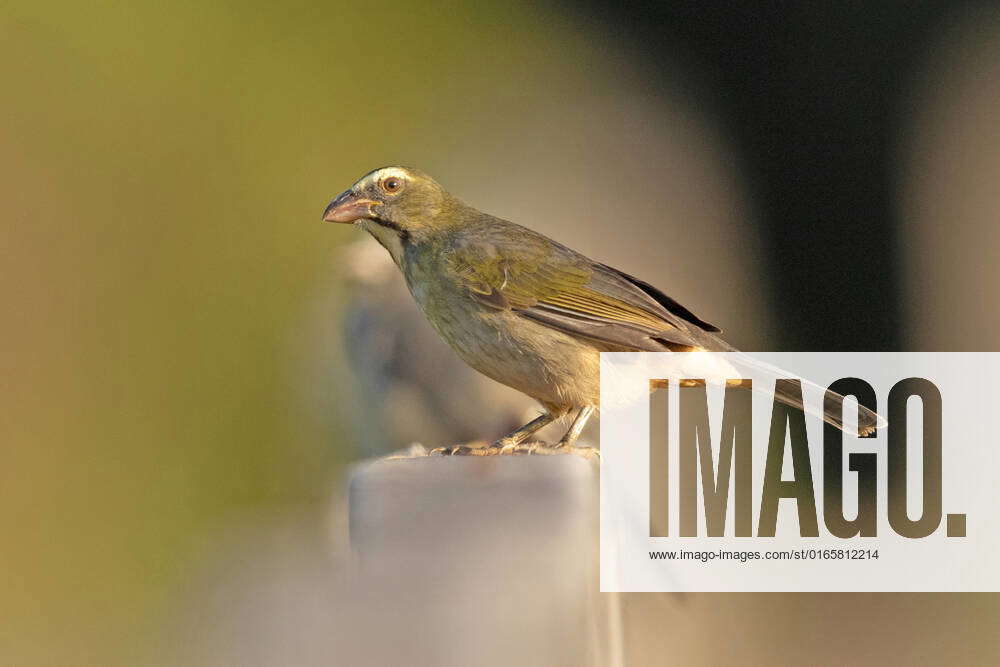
791 395
736 366
832 411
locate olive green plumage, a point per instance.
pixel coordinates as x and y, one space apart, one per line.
515 305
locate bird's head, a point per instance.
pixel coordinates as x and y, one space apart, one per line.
398 198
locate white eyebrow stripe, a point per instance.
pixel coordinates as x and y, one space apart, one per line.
389 171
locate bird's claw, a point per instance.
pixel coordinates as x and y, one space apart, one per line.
456 450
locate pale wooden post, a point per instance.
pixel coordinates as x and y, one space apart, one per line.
496 558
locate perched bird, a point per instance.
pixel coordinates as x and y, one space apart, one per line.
517 306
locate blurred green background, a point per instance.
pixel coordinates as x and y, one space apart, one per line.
172 360
163 168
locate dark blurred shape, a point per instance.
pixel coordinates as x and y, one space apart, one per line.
811 94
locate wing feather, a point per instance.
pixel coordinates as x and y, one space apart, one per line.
546 282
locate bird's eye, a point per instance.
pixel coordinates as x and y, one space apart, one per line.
391 184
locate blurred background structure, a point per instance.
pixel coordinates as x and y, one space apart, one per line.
181 385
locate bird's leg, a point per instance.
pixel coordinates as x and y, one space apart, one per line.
576 427
505 445
510 441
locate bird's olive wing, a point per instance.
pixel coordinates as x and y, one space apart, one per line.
550 284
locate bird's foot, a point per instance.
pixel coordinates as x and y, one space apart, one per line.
501 447
510 448
455 450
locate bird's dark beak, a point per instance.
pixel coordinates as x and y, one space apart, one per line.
349 207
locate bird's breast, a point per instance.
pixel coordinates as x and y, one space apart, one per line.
541 362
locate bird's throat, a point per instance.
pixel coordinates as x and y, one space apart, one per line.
389 235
